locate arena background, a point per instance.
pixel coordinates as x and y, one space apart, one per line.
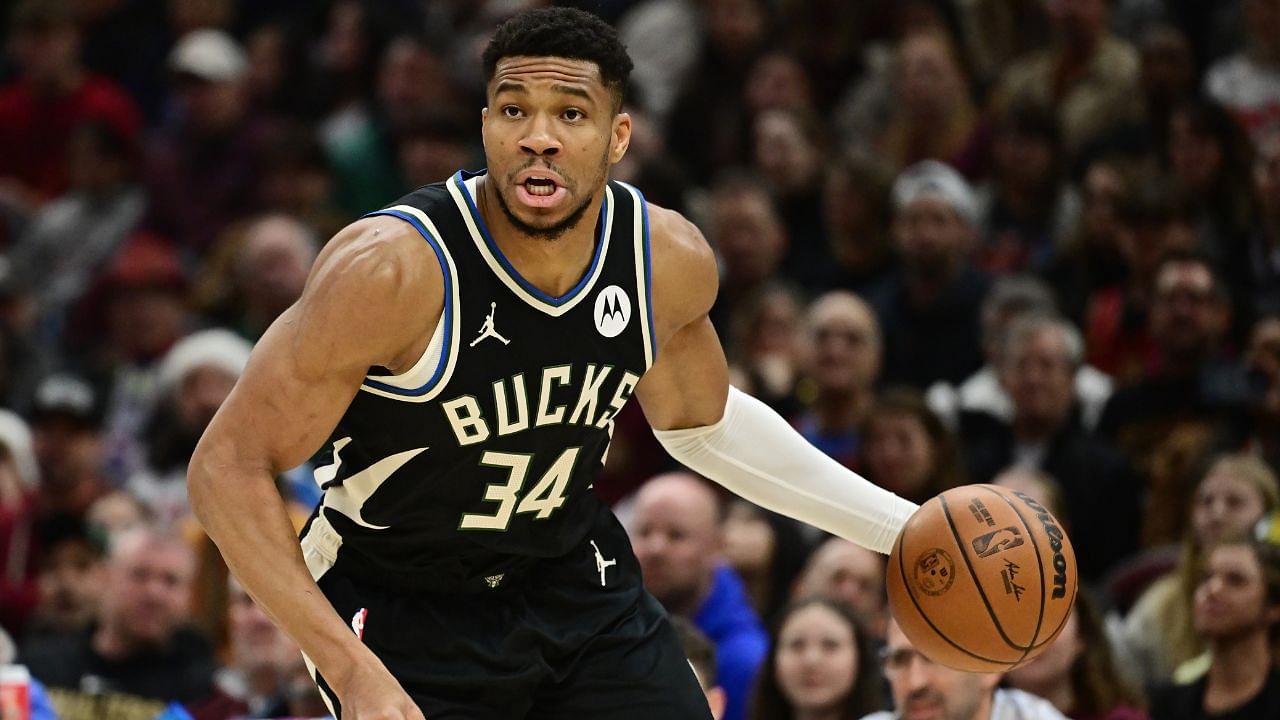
1085 304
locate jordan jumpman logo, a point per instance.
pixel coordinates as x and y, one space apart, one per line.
487 330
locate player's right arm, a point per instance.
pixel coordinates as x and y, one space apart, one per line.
372 298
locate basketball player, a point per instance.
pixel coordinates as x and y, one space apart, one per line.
462 354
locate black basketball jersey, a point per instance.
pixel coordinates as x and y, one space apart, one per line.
480 458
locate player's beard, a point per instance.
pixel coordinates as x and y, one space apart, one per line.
557 230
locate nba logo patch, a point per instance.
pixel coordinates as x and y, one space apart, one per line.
357 622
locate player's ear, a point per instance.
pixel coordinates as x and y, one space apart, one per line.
620 140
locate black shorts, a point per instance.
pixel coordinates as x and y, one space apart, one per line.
552 644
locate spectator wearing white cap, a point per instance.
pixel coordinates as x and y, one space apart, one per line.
929 308
201 172
194 378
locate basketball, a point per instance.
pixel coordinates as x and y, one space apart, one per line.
982 578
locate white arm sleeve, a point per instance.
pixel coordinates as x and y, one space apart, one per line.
756 454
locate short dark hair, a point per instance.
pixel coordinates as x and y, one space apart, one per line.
565 33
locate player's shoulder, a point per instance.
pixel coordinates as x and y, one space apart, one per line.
378 259
684 267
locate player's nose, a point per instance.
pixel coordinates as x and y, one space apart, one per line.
540 140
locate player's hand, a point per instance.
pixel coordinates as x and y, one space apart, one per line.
371 693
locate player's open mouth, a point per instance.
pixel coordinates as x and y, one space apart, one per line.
540 191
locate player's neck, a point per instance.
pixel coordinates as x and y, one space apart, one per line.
552 266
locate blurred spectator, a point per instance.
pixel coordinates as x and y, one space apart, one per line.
271 268
765 347
934 116
1151 226
844 349
117 513
821 664
1025 208
19 480
858 215
139 656
1248 82
1012 297
70 578
1262 360
748 235
72 237
433 149
1089 74
66 430
1002 31
664 39
1237 606
676 533
193 379
923 689
1264 242
297 180
702 657
932 302
1168 80
344 62
38 698
708 127
52 95
788 150
1042 355
260 656
766 550
851 575
127 40
412 87
1040 486
1159 633
1191 386
1078 672
907 449
276 86
203 165
778 81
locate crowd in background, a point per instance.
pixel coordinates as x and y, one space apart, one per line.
1030 242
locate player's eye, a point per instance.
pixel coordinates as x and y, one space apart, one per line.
511 111
572 115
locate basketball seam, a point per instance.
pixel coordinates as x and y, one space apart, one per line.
995 620
924 616
1044 589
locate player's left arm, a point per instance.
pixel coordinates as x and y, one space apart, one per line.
727 435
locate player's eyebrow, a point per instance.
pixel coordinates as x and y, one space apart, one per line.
511 86
573 90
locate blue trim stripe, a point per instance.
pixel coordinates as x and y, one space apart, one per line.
648 275
515 274
447 315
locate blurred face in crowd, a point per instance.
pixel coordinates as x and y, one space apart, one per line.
778 82
116 513
749 540
676 537
899 453
1266 177
933 238
148 588
785 155
1168 66
551 130
734 27
46 55
70 581
847 573
255 640
923 690
1052 668
200 393
411 83
1038 374
273 266
1224 505
748 234
853 225
1187 317
773 331
1103 188
90 167
845 344
212 108
1023 158
1195 158
1231 598
929 81
817 661
145 320
1035 484
69 450
1081 22
345 42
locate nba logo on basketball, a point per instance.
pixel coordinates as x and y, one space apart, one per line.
357 622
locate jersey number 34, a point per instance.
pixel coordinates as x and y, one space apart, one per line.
544 498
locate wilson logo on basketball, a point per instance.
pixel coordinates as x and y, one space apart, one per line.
1055 543
997 542
935 572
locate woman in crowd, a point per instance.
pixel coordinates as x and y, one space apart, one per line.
1078 672
1237 606
907 448
820 667
1159 634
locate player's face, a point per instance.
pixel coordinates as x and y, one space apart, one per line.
550 133
1231 596
924 690
817 659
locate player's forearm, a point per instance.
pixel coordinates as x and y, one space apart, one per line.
243 513
758 455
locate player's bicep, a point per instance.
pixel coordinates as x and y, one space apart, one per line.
689 383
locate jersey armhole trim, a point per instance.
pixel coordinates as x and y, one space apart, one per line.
409 385
644 273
